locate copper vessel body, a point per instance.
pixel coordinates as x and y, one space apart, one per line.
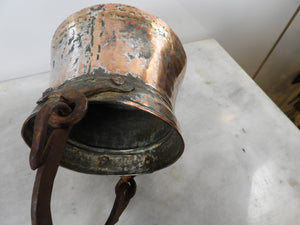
118 39
129 64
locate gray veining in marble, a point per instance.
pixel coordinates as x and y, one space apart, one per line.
241 164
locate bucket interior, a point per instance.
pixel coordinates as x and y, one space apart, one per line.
117 127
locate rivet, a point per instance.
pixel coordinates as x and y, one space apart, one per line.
118 80
148 160
103 160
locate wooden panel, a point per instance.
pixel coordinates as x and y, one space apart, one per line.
280 76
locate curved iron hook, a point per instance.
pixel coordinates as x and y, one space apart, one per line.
61 114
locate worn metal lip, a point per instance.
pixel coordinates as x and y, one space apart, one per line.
138 86
136 106
110 153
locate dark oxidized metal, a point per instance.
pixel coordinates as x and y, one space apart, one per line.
125 190
110 106
45 156
68 109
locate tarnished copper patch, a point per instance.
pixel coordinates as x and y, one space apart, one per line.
118 39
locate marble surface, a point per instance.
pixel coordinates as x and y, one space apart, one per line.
241 164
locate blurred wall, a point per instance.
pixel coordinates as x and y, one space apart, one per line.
245 28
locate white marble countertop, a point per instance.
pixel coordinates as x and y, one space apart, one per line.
241 164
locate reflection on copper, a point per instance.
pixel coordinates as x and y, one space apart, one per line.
118 39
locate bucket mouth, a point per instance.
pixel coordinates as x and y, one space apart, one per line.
121 134
141 143
117 127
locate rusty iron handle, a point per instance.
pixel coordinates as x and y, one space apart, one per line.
57 114
41 196
125 190
61 114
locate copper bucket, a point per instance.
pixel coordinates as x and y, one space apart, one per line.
128 65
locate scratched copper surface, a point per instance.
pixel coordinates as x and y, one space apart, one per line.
118 39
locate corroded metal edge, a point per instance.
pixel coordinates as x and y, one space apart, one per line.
128 161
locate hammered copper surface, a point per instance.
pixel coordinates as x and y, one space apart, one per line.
118 39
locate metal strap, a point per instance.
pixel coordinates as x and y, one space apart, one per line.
46 153
125 190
